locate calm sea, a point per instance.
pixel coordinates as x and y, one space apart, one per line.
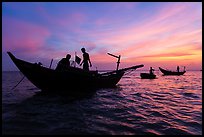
168 105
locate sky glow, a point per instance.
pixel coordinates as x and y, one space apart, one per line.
164 34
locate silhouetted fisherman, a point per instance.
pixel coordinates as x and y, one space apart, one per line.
151 71
177 68
64 63
86 60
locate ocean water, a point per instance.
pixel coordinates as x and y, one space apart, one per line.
168 105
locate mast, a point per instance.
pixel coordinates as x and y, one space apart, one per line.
118 62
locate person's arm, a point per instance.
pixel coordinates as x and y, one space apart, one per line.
90 63
82 62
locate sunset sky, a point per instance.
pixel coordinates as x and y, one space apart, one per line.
164 34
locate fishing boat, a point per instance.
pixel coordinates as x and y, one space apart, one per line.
75 79
168 72
147 76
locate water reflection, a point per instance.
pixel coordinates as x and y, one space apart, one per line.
167 105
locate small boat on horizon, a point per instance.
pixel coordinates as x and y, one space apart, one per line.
147 76
168 72
71 80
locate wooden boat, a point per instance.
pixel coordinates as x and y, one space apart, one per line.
48 79
168 72
147 76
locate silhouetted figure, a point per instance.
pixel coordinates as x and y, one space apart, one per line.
64 63
86 60
177 68
184 68
151 71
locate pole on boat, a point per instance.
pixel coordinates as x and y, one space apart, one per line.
75 60
118 62
51 63
118 57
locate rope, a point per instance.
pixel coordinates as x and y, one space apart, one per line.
18 83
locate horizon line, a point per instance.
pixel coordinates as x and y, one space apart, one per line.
101 70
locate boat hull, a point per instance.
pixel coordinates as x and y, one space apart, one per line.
73 79
166 72
147 76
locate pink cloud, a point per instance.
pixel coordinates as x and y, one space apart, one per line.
89 45
63 21
168 20
159 34
101 21
22 36
157 46
70 20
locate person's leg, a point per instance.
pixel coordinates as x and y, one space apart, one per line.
86 66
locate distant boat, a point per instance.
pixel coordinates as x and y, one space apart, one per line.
147 76
48 79
168 72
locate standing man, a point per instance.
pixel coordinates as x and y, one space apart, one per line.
86 60
151 71
177 68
